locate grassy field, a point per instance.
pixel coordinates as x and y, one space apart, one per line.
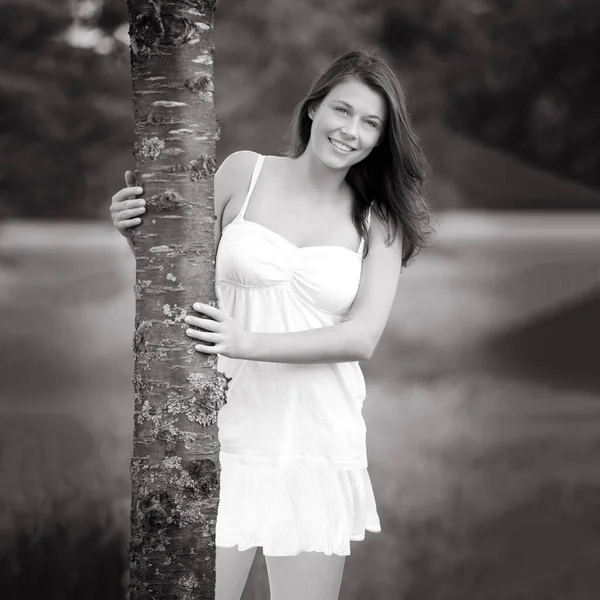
486 478
487 488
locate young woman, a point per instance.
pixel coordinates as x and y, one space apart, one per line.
309 249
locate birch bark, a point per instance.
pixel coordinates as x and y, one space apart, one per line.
174 468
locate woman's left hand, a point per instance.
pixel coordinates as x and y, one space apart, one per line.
222 329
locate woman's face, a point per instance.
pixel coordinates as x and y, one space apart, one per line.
347 124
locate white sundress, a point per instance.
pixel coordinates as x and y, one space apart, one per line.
293 439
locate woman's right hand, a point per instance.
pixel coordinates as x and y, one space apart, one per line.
126 209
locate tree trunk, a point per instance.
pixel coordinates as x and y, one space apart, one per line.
174 469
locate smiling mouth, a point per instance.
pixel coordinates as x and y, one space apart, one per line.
341 146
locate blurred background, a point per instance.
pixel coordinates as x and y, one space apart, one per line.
483 408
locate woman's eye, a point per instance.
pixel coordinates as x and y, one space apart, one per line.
340 109
371 123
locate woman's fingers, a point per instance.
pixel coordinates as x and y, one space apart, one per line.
129 223
210 311
129 178
130 213
126 193
117 207
209 324
125 209
216 349
127 218
204 336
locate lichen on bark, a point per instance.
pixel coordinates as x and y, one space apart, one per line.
149 149
198 168
177 391
166 200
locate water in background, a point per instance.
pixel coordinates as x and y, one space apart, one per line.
482 456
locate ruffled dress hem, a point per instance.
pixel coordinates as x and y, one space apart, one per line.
292 509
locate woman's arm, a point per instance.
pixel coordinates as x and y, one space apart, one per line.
335 343
349 341
357 337
231 177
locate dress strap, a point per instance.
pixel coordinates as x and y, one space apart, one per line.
257 167
362 240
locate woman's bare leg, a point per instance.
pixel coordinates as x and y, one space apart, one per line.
232 570
306 576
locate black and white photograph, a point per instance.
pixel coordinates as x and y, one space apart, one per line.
299 300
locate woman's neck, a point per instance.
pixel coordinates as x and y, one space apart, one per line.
311 174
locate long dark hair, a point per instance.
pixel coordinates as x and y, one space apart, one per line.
391 177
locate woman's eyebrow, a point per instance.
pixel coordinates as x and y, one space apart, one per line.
350 106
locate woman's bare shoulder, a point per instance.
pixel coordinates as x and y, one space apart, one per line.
233 176
236 170
238 163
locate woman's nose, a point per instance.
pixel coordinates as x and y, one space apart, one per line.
350 128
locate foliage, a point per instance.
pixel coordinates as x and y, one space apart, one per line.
516 75
64 111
